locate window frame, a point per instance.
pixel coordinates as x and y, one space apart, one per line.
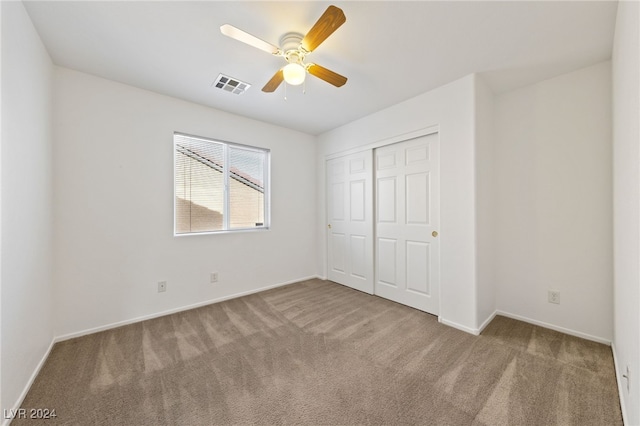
226 182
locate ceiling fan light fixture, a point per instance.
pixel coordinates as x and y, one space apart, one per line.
294 74
294 47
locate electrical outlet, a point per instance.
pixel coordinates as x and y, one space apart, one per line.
162 286
214 277
554 297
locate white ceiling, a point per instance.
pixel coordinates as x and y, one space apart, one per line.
390 51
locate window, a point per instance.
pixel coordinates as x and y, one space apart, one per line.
219 186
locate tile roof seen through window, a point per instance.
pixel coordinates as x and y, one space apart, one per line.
210 155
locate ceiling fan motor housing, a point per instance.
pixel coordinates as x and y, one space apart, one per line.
292 50
290 41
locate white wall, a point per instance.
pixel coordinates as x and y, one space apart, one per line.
450 107
114 206
626 202
485 202
553 201
26 309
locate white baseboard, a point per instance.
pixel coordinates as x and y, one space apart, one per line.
555 327
176 310
464 328
477 331
18 403
621 384
487 321
474 331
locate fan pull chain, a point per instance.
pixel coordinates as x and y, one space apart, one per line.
285 90
304 87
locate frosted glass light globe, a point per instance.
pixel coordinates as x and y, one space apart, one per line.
294 74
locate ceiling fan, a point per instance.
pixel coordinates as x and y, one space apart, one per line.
294 48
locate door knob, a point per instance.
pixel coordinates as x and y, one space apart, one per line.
434 233
329 226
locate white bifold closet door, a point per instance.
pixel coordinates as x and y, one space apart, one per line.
407 255
350 224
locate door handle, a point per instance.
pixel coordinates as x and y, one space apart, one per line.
434 233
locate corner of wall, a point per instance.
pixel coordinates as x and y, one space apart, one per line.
26 202
625 67
484 202
553 181
321 219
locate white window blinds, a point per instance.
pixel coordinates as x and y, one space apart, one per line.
219 186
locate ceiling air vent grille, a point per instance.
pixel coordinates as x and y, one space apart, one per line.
230 84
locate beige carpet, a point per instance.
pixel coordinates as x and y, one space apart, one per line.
320 353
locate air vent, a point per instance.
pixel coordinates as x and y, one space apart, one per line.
230 84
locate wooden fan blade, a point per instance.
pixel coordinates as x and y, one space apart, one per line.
275 81
330 21
251 40
327 75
